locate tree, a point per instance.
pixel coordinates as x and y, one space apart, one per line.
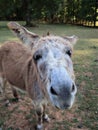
95 12
27 8
82 12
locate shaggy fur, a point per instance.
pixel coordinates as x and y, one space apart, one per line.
36 66
17 66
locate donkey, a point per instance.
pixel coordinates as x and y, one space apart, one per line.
43 68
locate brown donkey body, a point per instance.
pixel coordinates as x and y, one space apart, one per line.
43 68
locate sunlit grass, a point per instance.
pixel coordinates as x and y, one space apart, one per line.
82 32
84 52
96 23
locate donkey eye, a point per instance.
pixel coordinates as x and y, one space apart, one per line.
16 30
37 56
69 52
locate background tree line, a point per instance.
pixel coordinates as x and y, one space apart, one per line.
82 12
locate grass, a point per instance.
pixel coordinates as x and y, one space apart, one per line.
84 114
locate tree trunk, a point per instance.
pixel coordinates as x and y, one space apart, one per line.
95 14
28 18
28 10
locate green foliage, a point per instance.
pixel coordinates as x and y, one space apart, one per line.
82 11
52 11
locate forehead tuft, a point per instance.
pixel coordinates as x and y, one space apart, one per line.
54 41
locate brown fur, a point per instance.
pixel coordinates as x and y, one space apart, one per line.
17 67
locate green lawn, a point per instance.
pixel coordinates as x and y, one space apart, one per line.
84 114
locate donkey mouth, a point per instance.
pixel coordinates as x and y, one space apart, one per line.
63 107
57 107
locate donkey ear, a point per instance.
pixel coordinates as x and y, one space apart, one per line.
72 39
23 34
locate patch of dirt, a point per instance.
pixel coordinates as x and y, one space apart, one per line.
21 116
88 74
79 129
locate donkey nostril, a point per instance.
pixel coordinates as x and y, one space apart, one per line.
67 106
53 91
73 88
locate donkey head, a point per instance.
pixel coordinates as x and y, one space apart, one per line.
53 61
52 58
